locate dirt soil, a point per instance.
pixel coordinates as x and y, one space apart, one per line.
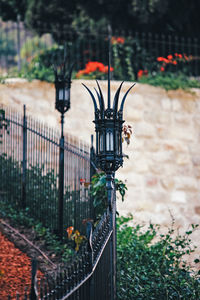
15 267
28 242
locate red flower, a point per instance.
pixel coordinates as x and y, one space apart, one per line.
142 73
117 40
120 40
170 56
162 69
93 66
106 69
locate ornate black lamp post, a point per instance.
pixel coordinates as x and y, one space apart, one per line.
62 104
109 157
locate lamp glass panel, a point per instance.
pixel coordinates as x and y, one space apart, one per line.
109 141
101 143
117 142
64 94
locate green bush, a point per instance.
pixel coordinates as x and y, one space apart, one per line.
99 192
41 64
170 81
151 265
64 250
7 45
32 47
41 194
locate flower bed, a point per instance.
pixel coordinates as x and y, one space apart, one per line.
15 270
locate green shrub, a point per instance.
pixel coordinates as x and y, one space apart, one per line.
17 218
32 47
99 192
41 64
170 81
7 45
41 194
151 265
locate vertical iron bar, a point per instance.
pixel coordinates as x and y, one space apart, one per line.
61 181
112 213
34 292
18 44
24 163
109 61
92 172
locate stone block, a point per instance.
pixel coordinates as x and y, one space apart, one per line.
178 197
138 101
151 181
197 210
141 166
179 133
183 159
166 104
189 106
144 129
155 168
133 115
157 117
163 156
186 183
167 183
176 105
162 131
182 118
196 120
175 145
152 145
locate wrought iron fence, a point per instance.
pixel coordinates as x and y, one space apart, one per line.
29 169
87 277
131 51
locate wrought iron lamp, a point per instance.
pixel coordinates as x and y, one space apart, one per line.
62 104
108 126
109 157
62 86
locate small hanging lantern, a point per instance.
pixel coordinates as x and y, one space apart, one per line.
62 86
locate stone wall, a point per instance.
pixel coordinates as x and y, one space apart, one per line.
163 169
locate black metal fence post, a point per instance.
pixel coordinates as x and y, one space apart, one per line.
34 292
93 170
24 162
61 180
91 258
112 212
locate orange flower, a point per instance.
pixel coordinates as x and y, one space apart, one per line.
80 73
120 40
93 66
117 40
69 231
159 58
106 69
